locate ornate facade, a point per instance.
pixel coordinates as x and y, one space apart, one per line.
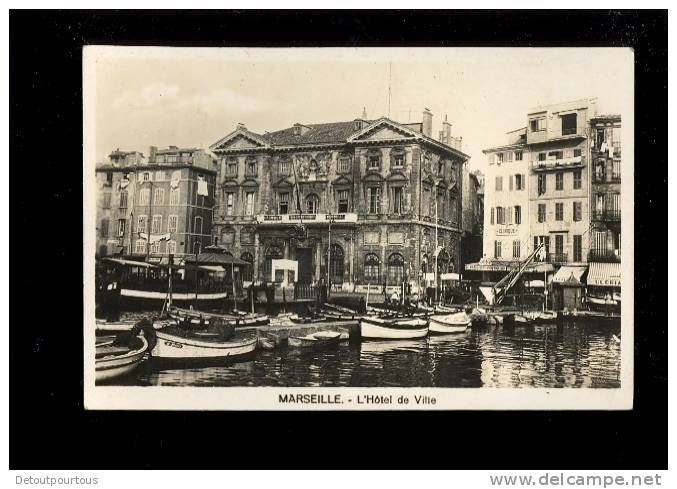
358 198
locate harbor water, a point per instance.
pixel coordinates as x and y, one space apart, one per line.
581 353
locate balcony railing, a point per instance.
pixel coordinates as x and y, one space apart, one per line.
606 215
554 134
607 178
608 256
557 257
557 164
277 219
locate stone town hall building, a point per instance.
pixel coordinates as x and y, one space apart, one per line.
369 188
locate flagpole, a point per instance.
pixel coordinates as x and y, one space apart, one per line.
436 244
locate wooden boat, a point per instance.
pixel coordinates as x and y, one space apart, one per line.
196 317
295 318
340 316
119 355
103 326
322 339
456 322
114 326
393 328
174 343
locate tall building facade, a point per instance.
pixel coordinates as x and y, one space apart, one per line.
152 207
604 277
473 216
556 182
354 202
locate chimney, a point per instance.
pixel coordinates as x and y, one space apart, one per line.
241 126
151 154
446 131
427 126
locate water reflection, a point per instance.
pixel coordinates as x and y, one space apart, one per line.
576 355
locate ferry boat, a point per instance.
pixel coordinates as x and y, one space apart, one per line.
207 282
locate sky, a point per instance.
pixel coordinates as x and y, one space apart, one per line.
191 97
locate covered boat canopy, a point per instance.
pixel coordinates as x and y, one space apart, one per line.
129 263
571 276
507 266
605 275
210 258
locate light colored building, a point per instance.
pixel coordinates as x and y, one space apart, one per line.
506 200
537 192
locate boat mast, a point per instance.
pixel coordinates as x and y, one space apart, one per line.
232 278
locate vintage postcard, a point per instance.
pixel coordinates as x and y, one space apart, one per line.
358 229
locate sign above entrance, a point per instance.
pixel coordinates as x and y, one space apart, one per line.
276 219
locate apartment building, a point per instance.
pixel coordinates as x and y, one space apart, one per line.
152 207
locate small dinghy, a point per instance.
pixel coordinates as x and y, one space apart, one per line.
393 328
121 354
204 318
322 339
174 342
295 318
456 322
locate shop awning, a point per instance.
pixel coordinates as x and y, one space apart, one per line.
507 266
215 259
129 263
605 275
569 275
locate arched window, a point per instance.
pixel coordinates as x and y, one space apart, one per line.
372 268
312 204
273 253
424 263
336 264
395 269
247 270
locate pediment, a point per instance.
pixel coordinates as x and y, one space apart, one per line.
250 183
384 130
397 177
283 183
239 140
229 183
342 180
372 177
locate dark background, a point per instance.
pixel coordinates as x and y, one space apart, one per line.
49 428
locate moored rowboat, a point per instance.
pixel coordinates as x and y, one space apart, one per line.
173 344
119 356
449 323
323 339
393 328
204 318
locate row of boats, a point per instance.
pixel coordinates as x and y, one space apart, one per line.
187 334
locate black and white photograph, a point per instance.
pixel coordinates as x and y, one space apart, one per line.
358 218
337 239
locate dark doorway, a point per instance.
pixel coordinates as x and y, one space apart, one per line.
304 256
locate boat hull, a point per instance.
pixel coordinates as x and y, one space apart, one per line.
171 346
199 318
108 368
453 323
314 342
376 328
